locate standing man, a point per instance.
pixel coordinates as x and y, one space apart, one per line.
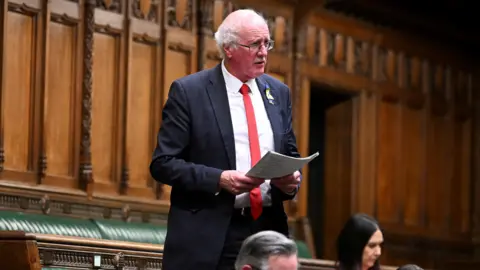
216 125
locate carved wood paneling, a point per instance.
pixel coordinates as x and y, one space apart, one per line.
76 205
21 86
143 98
181 39
104 30
63 51
146 10
105 91
110 5
180 13
422 122
211 15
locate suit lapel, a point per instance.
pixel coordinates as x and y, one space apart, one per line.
217 93
272 111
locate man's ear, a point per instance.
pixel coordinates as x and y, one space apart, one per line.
228 51
246 267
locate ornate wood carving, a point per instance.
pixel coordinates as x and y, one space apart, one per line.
126 211
207 17
86 162
382 64
146 10
30 7
119 260
278 27
180 47
362 58
109 5
73 208
45 204
84 258
179 13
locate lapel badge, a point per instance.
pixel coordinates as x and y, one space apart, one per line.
269 95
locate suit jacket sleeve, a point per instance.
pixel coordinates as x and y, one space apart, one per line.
169 165
291 146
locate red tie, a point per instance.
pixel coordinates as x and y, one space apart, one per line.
255 194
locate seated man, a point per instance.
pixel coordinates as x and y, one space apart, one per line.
267 250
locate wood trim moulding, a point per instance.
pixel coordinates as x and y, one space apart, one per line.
307 264
48 240
76 204
69 251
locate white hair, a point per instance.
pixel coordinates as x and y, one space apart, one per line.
227 32
258 248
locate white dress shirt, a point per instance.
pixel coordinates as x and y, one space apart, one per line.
240 131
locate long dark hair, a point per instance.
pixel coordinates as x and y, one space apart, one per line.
352 241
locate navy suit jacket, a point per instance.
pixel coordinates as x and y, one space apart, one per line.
195 144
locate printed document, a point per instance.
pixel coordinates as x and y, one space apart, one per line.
273 165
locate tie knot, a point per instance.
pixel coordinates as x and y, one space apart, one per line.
244 89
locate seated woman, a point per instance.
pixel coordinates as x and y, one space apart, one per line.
359 244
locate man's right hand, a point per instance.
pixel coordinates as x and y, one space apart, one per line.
237 183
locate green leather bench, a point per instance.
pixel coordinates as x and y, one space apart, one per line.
95 228
89 228
303 250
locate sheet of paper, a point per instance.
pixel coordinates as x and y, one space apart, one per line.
273 165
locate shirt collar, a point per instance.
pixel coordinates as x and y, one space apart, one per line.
233 83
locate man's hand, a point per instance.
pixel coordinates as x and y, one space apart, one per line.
237 183
287 183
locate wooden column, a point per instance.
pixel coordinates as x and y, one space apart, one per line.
85 152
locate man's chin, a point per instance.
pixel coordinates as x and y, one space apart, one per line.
258 72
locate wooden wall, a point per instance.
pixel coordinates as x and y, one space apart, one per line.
411 165
84 81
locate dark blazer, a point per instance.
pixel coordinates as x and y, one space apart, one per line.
195 144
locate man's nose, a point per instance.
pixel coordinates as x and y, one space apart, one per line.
262 51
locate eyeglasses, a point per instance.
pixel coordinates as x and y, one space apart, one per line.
256 45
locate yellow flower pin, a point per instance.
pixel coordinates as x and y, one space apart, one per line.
269 95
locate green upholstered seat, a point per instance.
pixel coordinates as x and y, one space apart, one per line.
303 251
99 229
132 232
34 223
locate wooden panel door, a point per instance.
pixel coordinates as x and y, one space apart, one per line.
337 172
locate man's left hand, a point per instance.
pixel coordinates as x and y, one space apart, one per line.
287 183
